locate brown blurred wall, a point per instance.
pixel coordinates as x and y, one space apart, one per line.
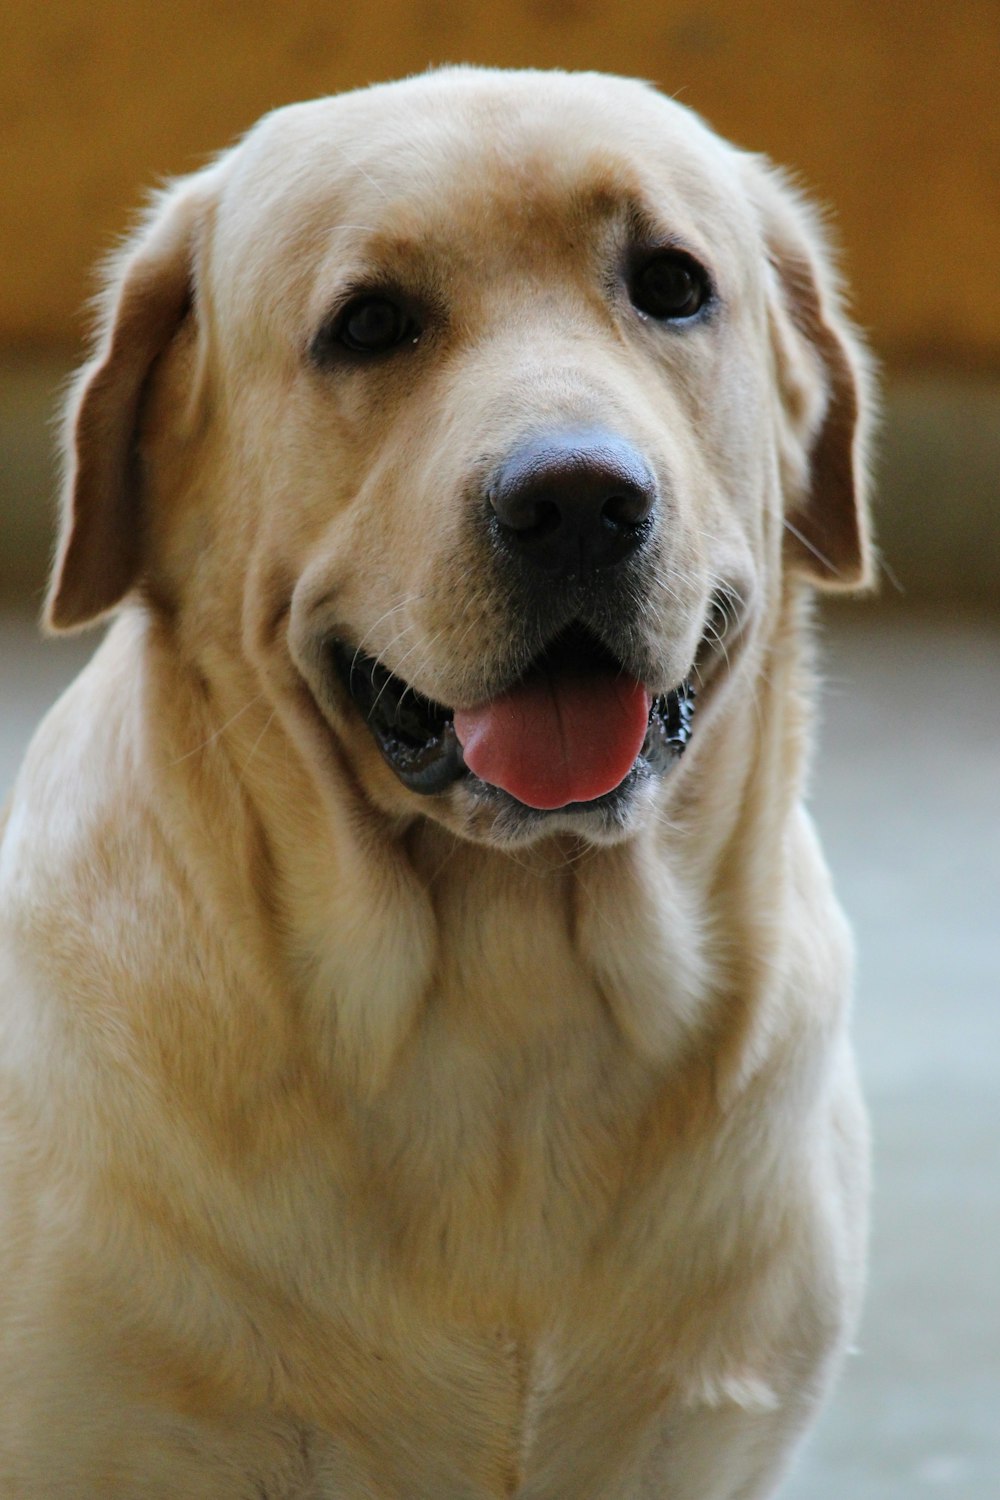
889 110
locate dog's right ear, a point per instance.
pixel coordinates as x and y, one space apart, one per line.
150 290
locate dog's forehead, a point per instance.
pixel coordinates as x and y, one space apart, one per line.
466 152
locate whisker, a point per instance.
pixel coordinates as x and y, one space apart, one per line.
805 542
367 176
211 739
394 672
253 748
893 577
362 647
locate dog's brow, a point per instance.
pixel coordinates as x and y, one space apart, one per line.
386 253
645 226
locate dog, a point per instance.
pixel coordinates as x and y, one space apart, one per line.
425 1069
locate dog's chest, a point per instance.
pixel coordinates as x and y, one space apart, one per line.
493 1152
496 1214
496 1158
496 1244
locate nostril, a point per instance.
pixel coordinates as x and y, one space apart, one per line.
546 519
629 508
527 515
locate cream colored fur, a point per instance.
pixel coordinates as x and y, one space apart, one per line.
351 1147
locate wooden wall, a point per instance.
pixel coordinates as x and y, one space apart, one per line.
890 109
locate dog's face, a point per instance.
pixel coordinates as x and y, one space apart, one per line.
489 413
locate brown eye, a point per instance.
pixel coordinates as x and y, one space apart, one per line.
374 325
669 287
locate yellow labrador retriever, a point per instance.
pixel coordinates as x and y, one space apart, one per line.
422 998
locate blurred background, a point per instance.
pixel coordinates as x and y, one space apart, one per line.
890 114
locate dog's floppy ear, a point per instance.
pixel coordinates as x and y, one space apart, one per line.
149 292
826 389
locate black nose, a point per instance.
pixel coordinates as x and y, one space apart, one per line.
572 502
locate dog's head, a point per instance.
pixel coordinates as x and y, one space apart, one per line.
487 417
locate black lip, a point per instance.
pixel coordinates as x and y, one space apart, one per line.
416 736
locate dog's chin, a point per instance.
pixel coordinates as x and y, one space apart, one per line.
490 815
416 739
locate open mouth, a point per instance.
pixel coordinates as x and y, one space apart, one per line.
567 733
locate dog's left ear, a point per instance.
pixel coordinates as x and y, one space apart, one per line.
824 375
149 292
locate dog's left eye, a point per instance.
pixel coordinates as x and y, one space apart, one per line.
670 287
373 325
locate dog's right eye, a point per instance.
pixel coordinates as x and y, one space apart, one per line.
670 287
372 324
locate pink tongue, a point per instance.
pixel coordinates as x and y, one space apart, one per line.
556 739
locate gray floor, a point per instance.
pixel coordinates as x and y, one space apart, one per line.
907 792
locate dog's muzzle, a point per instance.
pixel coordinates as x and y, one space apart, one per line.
419 740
